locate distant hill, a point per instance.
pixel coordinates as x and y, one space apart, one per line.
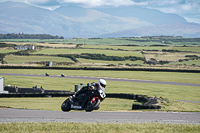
18 17
178 29
144 14
75 21
97 20
72 11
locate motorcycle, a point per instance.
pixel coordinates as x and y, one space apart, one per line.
88 101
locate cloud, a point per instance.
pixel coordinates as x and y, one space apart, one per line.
94 3
88 3
189 9
43 2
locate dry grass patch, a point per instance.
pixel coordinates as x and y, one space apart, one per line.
44 44
165 56
57 45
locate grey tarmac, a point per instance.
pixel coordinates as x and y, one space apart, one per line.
9 115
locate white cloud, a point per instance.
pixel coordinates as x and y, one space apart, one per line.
195 20
94 3
35 1
189 9
161 3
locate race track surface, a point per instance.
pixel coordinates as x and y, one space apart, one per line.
106 78
23 115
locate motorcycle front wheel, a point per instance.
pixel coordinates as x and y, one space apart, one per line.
66 106
92 106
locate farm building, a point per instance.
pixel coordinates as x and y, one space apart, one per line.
25 47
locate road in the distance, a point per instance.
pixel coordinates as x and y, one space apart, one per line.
23 115
106 78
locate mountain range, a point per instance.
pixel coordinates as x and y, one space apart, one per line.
74 21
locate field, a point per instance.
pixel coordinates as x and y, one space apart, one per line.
173 51
143 41
94 51
170 92
153 52
14 59
3 51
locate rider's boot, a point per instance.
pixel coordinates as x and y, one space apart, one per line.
74 98
71 99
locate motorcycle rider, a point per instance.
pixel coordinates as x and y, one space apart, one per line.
93 86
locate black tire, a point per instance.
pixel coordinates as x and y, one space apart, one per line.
155 107
94 106
136 106
97 108
66 107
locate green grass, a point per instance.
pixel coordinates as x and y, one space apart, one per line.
110 47
108 62
139 48
142 75
166 91
14 59
109 104
91 51
109 41
190 62
99 127
54 104
4 51
45 82
193 49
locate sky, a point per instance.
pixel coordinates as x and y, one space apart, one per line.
189 9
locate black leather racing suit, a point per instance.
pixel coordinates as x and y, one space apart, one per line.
87 88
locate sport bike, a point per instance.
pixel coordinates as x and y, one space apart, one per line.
88 101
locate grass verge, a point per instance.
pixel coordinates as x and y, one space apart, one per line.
99 127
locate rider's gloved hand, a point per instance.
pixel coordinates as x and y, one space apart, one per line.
89 86
92 87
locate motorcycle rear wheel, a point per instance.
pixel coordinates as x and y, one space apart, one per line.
66 107
95 105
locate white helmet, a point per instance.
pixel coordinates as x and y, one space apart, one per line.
102 83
